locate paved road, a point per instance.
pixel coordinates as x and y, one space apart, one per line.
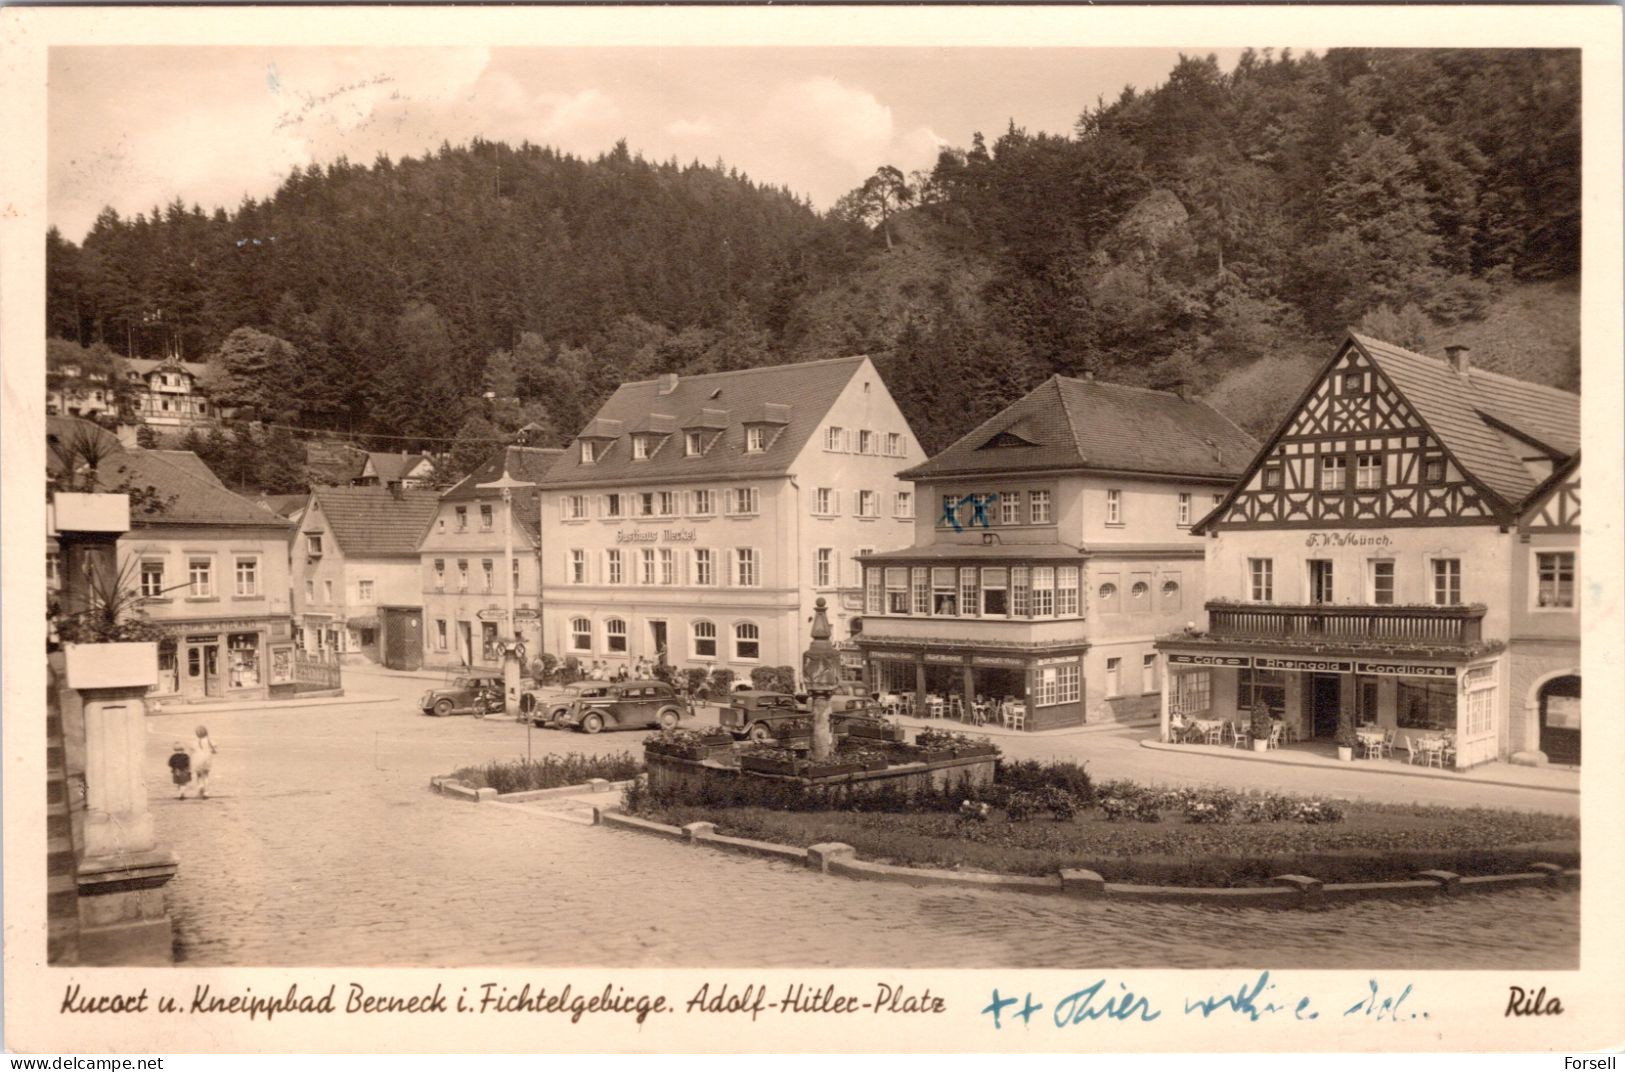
321 845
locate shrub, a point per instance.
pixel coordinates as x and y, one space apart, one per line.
694 679
722 683
570 673
1031 774
549 772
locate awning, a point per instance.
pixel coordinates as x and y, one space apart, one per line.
364 621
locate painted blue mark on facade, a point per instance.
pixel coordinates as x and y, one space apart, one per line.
978 505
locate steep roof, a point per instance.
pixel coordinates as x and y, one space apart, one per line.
1463 410
376 521
387 466
285 505
144 366
191 499
521 463
1079 424
792 399
188 461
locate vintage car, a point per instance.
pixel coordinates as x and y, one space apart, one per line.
464 696
753 714
624 705
541 709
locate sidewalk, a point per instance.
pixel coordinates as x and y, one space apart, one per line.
1502 774
915 723
158 708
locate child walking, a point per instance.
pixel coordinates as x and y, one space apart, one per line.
202 759
180 768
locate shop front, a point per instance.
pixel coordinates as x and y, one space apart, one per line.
225 659
1404 702
1024 689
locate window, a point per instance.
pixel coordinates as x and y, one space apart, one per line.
746 575
874 591
615 635
668 504
894 444
487 520
578 567
646 558
1009 507
1114 677
668 566
967 591
462 519
1426 705
824 501
1352 383
744 500
1021 592
1272 476
1367 472
755 439
310 591
1108 594
580 634
440 524
1114 506
440 636
822 567
1382 581
866 442
903 504
462 575
1184 509
920 582
247 576
702 502
243 660
1148 673
327 591
1334 471
1261 577
586 455
1139 597
1043 597
1038 507
1480 711
1068 583
1447 581
704 568
1320 580
488 571
152 577
693 445
1193 692
1554 576
439 575
834 438
313 543
705 640
200 577
944 592
363 591
614 504
575 509
640 448
868 504
995 592
1433 470
614 566
747 641
646 504
896 591
1261 686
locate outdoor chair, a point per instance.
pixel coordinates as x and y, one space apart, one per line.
1016 719
1240 738
956 708
1215 733
1412 749
1388 745
1372 745
1433 752
933 706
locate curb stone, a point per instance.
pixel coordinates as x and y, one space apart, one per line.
450 787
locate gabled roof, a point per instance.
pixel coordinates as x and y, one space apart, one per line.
1079 424
521 463
376 521
1560 476
188 461
1462 410
798 395
285 505
145 366
387 466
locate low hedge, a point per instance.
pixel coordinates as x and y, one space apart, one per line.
549 772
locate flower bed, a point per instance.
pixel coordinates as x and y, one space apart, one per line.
548 772
690 744
1041 818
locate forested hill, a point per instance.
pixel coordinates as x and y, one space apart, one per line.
1215 228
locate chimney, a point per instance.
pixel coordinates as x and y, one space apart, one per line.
1088 376
1457 355
1183 389
395 489
668 383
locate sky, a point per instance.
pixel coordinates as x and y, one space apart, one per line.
133 127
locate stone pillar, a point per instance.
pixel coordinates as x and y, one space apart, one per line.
919 686
970 690
1167 681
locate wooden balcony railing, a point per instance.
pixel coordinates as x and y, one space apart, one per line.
1334 623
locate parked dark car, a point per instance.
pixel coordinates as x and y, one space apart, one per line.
753 714
540 709
624 705
464 696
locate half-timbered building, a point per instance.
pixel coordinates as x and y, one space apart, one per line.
1401 552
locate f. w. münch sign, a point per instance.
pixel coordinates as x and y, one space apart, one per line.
1346 539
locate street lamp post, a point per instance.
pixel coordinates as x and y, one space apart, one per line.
821 670
510 650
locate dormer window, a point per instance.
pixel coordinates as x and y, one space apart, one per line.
693 444
755 439
588 455
640 448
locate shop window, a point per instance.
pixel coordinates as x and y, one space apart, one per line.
615 635
1480 714
1192 693
747 641
1427 705
1554 571
1268 686
580 634
995 592
243 660
1447 581
944 592
705 640
490 650
168 667
1068 684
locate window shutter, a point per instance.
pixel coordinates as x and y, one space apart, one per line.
835 500
728 572
757 563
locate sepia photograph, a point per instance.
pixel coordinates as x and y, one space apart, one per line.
857 506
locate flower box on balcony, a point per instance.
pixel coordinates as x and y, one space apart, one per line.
125 665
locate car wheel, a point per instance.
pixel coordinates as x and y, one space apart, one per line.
557 713
592 724
759 732
443 708
669 719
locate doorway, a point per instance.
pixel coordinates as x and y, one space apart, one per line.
1560 719
465 642
1365 693
1325 703
202 677
657 642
